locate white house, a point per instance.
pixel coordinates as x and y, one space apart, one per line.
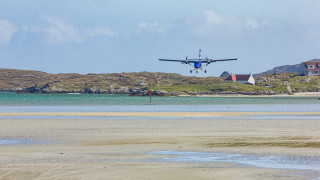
242 78
309 68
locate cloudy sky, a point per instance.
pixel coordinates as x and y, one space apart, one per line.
105 36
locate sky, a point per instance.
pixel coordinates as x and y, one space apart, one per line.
114 36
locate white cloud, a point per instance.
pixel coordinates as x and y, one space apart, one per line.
34 30
60 31
101 32
211 22
212 17
151 27
7 29
145 25
252 23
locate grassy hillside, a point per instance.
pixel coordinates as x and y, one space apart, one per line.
139 82
215 86
297 83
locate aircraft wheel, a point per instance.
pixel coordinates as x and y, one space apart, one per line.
205 71
190 71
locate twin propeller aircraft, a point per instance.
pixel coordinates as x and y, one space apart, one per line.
197 63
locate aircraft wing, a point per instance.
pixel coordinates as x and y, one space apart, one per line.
174 60
216 60
197 60
178 60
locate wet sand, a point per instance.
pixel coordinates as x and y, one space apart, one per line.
163 114
120 148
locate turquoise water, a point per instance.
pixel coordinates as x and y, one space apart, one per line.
22 103
104 99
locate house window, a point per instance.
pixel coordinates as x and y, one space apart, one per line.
310 66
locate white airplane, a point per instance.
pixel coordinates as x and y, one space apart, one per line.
197 63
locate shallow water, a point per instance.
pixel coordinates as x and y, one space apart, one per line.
105 99
162 108
28 103
277 162
6 141
265 117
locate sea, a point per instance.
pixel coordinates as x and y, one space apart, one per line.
17 102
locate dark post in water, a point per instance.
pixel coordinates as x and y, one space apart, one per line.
150 94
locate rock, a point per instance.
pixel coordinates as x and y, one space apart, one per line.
225 74
192 93
32 89
87 91
160 93
289 89
307 80
119 91
233 87
174 93
45 88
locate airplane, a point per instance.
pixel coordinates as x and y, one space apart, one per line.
197 63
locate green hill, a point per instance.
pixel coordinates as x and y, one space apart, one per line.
137 83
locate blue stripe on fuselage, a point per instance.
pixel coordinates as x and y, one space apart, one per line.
197 64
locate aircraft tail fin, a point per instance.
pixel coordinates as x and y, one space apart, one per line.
199 53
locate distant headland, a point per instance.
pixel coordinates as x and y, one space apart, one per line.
162 84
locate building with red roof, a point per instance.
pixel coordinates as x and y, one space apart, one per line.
242 78
309 69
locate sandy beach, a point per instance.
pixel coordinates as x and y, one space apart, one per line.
120 148
159 90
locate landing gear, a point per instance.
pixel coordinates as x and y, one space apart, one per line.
197 70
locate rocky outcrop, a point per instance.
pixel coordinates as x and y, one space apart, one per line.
138 91
138 84
285 69
160 93
258 93
289 90
281 69
225 74
86 90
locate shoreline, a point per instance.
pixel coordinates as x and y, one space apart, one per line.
163 114
306 94
300 94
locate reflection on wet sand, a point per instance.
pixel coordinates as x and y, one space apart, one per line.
208 148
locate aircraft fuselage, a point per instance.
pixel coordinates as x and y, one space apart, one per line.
197 65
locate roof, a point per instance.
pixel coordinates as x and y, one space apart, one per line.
243 77
316 65
232 77
238 77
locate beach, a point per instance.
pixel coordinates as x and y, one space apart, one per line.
126 148
159 90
